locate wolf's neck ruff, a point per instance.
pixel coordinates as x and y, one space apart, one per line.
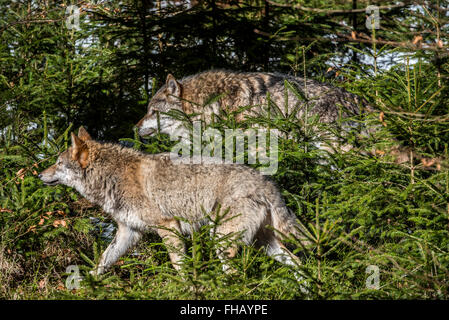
109 180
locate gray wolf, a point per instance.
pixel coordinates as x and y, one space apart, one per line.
145 192
228 90
232 90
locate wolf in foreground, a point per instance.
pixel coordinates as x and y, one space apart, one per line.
152 192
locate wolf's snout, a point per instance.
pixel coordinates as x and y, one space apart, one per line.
145 131
142 131
47 177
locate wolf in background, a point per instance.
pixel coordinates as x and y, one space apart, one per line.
154 193
332 105
240 89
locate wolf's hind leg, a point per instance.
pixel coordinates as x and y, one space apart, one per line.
175 245
226 236
124 239
279 252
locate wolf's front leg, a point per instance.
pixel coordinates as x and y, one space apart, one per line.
124 239
169 232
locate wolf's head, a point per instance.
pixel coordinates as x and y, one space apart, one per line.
169 97
70 165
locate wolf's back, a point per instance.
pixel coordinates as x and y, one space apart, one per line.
252 88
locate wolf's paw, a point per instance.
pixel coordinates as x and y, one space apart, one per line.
303 283
96 272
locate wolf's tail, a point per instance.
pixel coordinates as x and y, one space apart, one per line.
287 225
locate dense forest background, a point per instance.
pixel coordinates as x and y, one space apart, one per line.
379 229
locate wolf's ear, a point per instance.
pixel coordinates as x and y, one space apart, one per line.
173 87
83 134
80 152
